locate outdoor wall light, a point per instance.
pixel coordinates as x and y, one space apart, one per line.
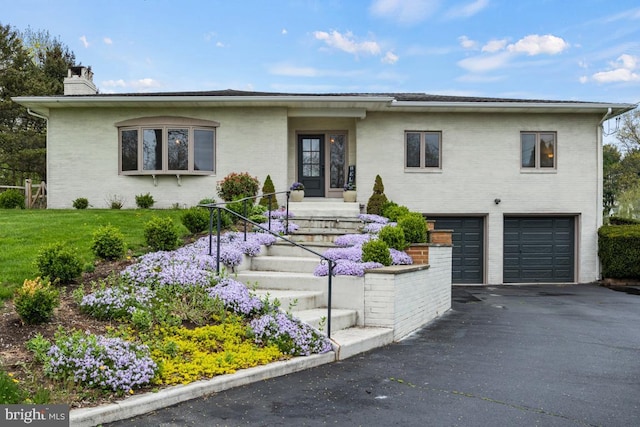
497 201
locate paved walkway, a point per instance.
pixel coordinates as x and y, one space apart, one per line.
504 356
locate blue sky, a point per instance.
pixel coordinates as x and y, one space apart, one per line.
587 50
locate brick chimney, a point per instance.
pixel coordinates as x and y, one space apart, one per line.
79 81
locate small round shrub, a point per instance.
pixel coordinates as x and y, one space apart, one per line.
376 251
144 201
11 199
414 226
160 234
108 243
207 201
237 185
81 203
196 219
35 301
394 211
59 263
393 237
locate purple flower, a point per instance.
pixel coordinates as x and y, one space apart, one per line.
235 296
290 334
352 239
346 268
373 218
400 257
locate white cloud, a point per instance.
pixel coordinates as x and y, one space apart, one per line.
404 11
494 45
114 83
141 85
210 35
346 43
390 58
584 79
535 44
84 41
284 32
467 43
107 40
285 69
467 10
483 63
219 44
622 70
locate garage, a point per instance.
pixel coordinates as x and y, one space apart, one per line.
539 249
467 264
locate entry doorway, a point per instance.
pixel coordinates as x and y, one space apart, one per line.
322 163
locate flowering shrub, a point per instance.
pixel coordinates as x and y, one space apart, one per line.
352 239
400 257
279 214
98 361
353 253
296 186
236 297
118 301
289 334
346 268
373 218
237 185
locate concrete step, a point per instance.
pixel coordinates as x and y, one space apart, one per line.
282 280
352 341
333 223
282 248
284 264
324 208
293 300
325 236
340 318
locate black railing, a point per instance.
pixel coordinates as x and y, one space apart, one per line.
220 207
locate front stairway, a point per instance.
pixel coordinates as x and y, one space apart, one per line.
285 272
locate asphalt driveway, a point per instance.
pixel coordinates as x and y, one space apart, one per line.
504 356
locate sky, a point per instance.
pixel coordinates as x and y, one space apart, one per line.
581 50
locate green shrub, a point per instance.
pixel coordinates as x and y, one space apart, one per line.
393 211
616 220
377 199
12 199
35 301
115 202
10 391
39 346
237 185
376 251
59 263
619 251
393 237
268 188
207 201
108 243
196 219
81 203
160 234
414 226
144 201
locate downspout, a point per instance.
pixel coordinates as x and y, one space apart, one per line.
599 183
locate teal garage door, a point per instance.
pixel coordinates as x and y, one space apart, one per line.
467 264
539 249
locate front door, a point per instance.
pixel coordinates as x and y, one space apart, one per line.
311 164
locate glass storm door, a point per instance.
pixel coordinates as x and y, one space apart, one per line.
311 164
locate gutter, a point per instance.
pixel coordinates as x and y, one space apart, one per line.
34 114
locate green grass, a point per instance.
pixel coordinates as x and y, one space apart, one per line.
23 233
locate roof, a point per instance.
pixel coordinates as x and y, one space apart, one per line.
353 104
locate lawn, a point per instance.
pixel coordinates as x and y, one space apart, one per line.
23 233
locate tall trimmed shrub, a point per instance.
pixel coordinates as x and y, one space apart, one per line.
268 188
377 199
414 226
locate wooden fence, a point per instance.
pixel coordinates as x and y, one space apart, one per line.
35 195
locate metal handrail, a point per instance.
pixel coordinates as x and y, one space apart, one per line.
218 208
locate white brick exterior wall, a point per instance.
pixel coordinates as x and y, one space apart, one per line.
408 301
480 162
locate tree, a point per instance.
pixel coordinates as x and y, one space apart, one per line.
31 64
629 133
611 171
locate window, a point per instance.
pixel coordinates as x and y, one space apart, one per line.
538 150
167 145
423 150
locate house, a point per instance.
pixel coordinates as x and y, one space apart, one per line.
520 181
